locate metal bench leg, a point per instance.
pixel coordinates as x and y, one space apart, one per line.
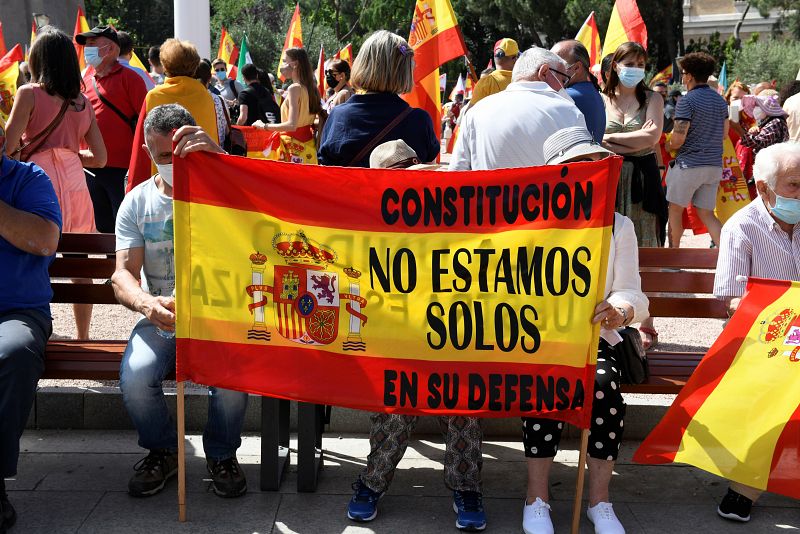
274 442
309 455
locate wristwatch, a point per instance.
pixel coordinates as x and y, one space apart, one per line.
624 313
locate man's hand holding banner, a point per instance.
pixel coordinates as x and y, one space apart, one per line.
414 292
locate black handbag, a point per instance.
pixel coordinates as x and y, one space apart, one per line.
631 357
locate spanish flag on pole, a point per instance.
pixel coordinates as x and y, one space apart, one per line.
739 414
9 72
33 39
346 54
294 38
321 72
589 36
81 25
626 24
228 52
664 75
436 39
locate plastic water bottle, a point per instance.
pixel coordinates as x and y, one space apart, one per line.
166 334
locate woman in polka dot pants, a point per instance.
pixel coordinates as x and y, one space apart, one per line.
624 304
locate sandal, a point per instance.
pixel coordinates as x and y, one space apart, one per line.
653 337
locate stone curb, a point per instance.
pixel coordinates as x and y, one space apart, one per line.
101 408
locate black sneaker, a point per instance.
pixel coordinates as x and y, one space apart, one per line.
152 473
227 477
735 506
8 516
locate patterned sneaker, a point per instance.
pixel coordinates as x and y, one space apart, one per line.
536 518
468 506
735 506
363 506
152 473
8 516
227 477
604 519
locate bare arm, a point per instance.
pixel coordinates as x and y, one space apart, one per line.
242 115
97 155
19 118
27 231
293 97
190 139
647 136
678 137
127 288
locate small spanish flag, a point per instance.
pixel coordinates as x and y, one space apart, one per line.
739 414
589 36
294 38
346 54
626 24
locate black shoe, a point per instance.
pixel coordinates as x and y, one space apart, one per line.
227 477
8 516
152 473
735 506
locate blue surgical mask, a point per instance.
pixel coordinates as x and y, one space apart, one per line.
786 209
630 76
221 75
92 56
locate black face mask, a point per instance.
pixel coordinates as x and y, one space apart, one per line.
331 80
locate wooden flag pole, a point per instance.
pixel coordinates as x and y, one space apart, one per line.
576 508
181 455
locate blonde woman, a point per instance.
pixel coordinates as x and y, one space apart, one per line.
383 70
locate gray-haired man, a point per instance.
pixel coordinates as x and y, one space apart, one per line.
145 244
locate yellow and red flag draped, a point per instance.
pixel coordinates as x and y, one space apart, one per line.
346 54
294 38
9 72
739 414
339 286
228 52
81 26
321 72
589 36
436 39
3 49
626 24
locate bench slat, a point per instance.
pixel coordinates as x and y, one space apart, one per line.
678 258
65 292
87 243
693 307
680 282
82 268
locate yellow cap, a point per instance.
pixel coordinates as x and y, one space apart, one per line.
508 46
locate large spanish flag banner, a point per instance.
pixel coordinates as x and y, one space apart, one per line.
436 39
739 414
416 292
626 24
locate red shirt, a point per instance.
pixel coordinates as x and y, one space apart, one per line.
126 91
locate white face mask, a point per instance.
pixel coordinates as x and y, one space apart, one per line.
165 171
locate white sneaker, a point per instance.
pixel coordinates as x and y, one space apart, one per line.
536 518
604 519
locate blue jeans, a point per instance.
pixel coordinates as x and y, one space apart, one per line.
148 359
23 337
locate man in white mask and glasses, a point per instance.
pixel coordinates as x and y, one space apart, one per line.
116 94
509 128
145 245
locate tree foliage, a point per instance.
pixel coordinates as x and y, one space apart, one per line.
789 11
771 59
144 20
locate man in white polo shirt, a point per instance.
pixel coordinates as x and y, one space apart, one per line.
508 129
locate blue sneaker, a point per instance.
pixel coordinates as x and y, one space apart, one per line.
468 505
364 504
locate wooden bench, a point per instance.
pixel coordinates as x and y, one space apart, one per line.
100 359
679 283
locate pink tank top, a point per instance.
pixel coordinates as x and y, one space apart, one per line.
73 127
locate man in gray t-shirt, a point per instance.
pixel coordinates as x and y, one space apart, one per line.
145 245
701 125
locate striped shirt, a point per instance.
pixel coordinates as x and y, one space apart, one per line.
706 112
752 244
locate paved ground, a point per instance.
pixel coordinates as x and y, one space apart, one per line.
75 481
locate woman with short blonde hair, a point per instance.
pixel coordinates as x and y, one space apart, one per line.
383 69
385 64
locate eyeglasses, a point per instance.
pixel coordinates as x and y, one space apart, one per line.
221 69
564 74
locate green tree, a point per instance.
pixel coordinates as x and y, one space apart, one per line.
771 59
143 20
789 20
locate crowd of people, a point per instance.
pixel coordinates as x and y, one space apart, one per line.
82 135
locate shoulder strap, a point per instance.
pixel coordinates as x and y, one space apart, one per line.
378 138
112 107
232 85
42 136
